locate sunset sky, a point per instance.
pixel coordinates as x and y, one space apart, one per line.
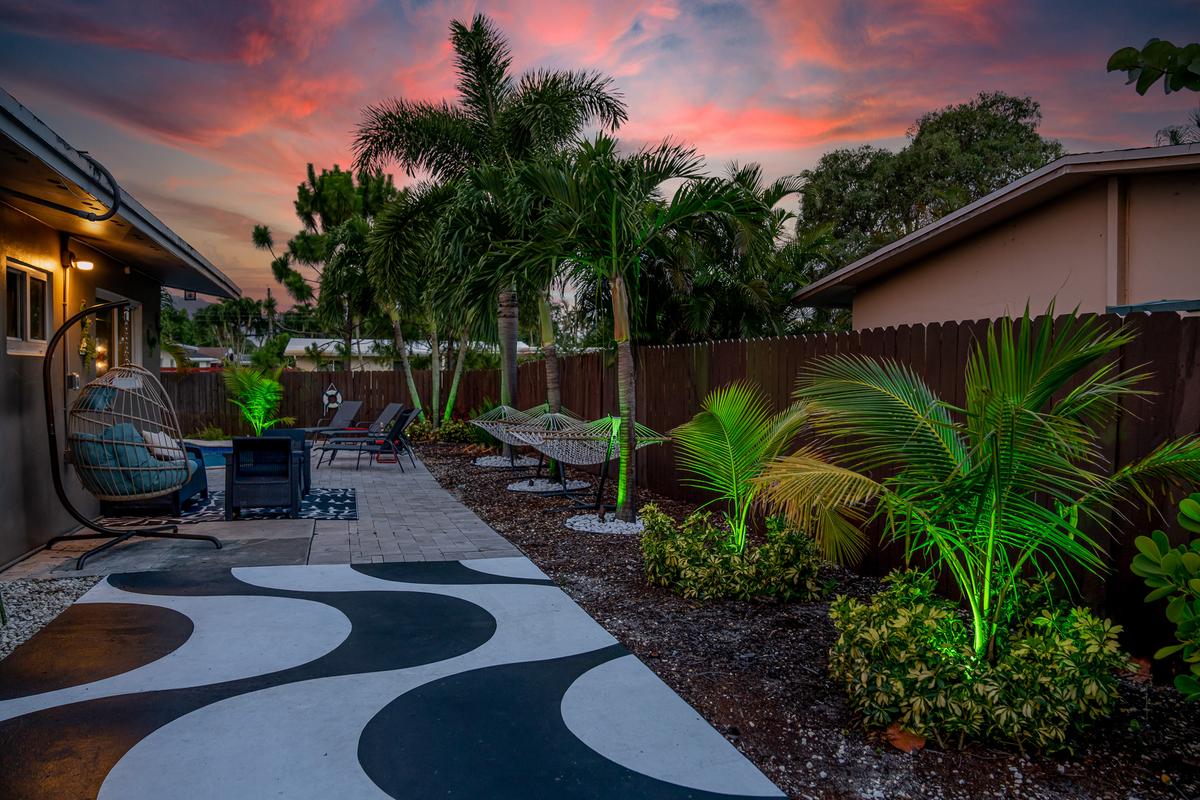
208 111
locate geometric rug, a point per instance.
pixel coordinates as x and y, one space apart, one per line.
471 679
317 504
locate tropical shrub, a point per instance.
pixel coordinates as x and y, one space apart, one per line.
455 431
452 431
209 433
906 657
257 392
1013 482
727 444
1173 574
693 560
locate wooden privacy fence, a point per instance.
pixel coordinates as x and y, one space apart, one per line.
673 380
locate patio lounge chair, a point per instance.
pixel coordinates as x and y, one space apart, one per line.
393 442
262 472
344 418
379 426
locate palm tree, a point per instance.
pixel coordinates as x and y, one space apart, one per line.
608 212
1011 482
498 120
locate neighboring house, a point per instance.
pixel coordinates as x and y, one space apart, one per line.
200 358
369 354
1117 231
54 263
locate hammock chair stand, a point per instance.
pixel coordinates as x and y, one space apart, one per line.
114 535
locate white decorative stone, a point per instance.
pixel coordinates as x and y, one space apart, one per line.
501 461
591 523
544 486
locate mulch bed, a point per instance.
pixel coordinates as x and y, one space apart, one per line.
757 673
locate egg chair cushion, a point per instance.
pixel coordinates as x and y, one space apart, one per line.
144 472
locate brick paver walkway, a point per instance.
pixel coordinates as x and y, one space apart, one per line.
401 517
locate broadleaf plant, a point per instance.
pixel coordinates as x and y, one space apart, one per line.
1173 574
727 444
258 393
1015 481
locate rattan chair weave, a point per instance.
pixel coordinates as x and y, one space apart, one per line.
124 437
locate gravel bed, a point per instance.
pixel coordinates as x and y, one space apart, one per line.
593 523
543 485
500 462
757 673
32 603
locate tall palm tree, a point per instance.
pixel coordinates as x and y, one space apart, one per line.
498 120
608 212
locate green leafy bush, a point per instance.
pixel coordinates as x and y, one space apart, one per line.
209 433
452 431
1173 573
694 560
455 431
906 656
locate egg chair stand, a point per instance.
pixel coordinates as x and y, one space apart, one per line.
99 531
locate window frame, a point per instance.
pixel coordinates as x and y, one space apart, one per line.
24 344
117 356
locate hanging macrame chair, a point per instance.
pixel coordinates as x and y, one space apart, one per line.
123 439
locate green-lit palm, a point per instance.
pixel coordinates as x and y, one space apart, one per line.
727 445
257 393
607 212
1012 481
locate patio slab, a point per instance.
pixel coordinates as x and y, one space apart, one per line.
402 516
475 678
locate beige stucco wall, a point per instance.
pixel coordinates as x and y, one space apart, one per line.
1163 217
1057 250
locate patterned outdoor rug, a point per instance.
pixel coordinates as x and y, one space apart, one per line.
317 504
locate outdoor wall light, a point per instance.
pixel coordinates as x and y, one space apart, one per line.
86 266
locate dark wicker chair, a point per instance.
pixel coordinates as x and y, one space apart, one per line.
301 445
262 472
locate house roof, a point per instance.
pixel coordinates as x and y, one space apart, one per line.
365 348
37 162
1058 177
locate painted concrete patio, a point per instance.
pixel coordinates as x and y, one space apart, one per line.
474 678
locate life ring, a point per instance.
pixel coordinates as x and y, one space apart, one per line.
331 399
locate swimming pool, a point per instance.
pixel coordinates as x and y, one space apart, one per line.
214 455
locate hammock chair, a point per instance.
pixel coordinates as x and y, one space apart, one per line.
497 422
124 441
586 445
542 419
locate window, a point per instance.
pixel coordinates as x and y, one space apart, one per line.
115 333
26 308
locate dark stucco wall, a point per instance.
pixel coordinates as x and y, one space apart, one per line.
30 512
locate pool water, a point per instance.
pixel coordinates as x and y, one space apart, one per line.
215 456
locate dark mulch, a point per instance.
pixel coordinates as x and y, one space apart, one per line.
757 672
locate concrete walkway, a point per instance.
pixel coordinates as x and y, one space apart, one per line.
401 517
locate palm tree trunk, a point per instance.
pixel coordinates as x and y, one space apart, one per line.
626 403
405 364
553 387
435 376
507 326
459 360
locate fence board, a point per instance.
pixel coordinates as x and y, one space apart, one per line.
673 381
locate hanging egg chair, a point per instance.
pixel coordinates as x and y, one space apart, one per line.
123 439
